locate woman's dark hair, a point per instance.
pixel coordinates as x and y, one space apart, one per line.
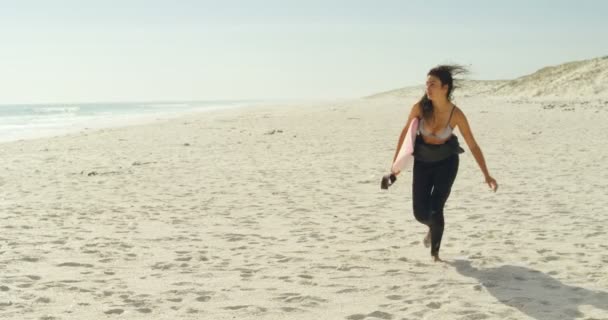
445 73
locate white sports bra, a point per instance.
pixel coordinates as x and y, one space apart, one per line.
442 135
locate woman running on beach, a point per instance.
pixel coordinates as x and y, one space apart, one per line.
436 151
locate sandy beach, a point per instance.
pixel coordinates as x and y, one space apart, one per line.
276 213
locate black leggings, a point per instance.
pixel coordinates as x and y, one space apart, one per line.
431 188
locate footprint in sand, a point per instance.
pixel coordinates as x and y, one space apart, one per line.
392 272
75 264
203 298
306 301
43 300
30 259
375 314
249 309
475 316
114 311
550 258
350 290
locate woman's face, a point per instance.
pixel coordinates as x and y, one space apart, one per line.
434 88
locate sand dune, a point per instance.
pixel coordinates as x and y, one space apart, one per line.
582 80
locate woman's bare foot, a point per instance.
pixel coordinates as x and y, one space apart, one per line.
437 259
427 239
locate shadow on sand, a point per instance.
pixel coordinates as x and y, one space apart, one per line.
532 292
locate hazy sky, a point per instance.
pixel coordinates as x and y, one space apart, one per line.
131 50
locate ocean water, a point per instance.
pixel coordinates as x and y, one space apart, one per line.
19 122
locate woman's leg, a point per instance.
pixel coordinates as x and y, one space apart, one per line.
422 184
443 179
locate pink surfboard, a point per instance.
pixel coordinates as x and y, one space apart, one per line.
405 158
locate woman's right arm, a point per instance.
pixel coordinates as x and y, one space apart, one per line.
413 114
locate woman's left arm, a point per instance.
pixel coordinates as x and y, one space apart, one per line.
467 134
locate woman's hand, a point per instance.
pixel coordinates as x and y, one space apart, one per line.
492 183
